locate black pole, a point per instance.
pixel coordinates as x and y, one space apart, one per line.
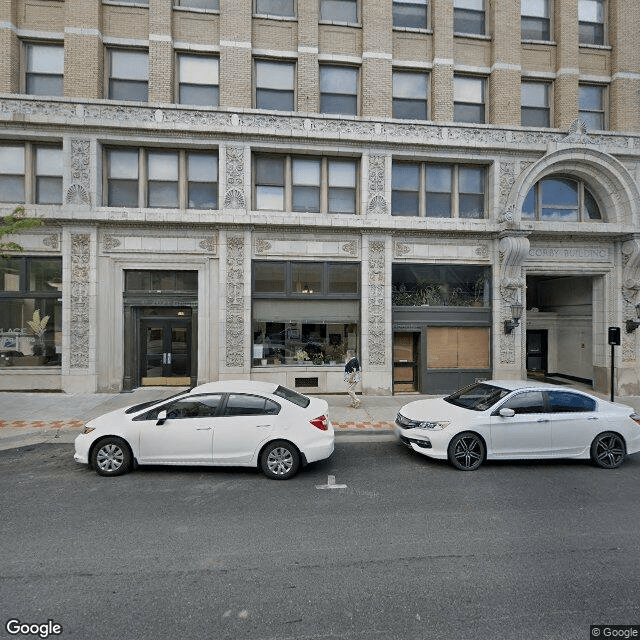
612 370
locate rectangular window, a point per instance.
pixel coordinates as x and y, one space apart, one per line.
161 179
284 8
535 101
210 5
592 106
468 17
438 190
198 80
275 84
339 11
535 21
591 21
305 183
305 312
411 14
338 90
44 69
468 99
410 90
31 174
128 75
30 311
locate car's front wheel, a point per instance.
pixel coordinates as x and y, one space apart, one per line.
280 460
466 451
111 457
608 450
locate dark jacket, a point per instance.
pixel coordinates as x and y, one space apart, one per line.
352 365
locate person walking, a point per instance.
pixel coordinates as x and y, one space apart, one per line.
352 377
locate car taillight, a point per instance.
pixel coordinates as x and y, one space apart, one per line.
320 423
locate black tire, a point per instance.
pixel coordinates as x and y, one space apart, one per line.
466 451
111 457
280 460
608 450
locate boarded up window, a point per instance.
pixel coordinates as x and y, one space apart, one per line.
458 347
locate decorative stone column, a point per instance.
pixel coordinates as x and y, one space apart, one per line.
629 366
510 289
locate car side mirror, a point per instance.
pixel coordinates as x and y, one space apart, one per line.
507 413
162 417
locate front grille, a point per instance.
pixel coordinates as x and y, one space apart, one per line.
405 423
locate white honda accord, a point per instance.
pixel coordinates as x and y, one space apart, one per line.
233 423
510 419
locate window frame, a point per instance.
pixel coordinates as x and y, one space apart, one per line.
603 112
332 20
475 12
395 99
291 64
546 109
454 192
603 25
109 72
416 3
30 175
177 4
179 56
583 214
288 184
142 178
483 102
292 16
27 46
548 21
330 66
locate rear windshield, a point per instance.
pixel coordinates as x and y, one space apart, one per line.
150 403
292 396
477 397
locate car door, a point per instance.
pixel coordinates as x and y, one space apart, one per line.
574 421
186 436
527 434
246 421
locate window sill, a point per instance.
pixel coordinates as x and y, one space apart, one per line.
597 47
269 16
357 25
549 43
413 30
136 5
473 36
215 12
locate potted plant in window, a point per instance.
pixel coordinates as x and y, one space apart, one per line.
301 356
37 325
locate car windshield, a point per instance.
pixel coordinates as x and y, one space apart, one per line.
477 397
292 396
150 403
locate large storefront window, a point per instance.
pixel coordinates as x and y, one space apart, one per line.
419 285
305 312
30 311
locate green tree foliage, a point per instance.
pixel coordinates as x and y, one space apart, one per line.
14 223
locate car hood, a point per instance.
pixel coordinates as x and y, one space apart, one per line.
113 418
437 409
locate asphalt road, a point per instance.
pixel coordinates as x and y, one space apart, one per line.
411 548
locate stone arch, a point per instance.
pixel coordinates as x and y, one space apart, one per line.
607 179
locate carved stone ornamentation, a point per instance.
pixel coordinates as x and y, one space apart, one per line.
262 246
234 194
351 248
376 175
209 244
234 347
507 178
52 241
578 134
110 242
482 251
401 249
79 192
377 206
79 301
630 287
377 337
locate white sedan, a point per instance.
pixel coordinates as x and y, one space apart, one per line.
511 420
233 423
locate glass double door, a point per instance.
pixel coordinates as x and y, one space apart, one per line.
165 357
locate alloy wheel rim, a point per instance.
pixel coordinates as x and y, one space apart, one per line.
609 451
110 457
468 452
280 461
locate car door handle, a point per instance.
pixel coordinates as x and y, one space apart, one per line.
263 426
543 420
593 418
203 428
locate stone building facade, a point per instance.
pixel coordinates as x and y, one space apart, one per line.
248 189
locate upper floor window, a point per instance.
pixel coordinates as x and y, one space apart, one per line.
413 14
437 190
592 100
339 11
211 5
44 69
468 17
198 82
338 89
535 21
410 90
558 198
128 75
591 18
284 8
468 99
275 85
535 104
31 173
163 179
305 183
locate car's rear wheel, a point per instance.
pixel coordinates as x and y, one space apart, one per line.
466 451
111 457
280 460
608 450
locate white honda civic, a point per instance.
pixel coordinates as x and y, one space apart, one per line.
232 423
510 419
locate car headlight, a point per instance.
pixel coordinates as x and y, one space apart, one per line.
436 426
88 429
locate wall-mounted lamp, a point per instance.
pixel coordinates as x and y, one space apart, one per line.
632 325
516 314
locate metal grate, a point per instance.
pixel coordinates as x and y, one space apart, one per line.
306 382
